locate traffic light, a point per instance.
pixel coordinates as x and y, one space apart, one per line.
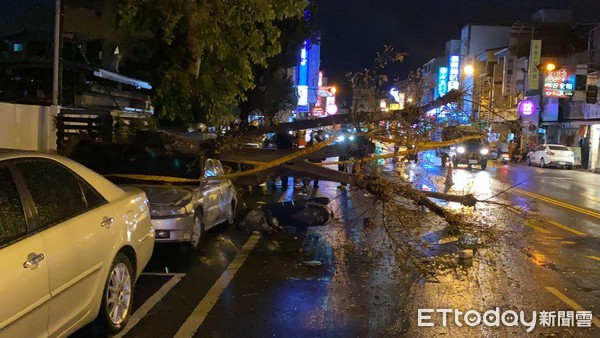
591 96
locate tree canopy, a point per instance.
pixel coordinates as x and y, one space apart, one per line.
200 54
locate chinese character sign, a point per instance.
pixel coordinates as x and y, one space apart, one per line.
527 107
535 57
559 83
453 82
442 85
509 78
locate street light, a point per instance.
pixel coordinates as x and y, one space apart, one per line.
469 70
549 67
544 69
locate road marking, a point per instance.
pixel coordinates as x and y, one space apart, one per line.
162 274
516 208
584 185
559 203
590 197
536 228
568 242
193 322
594 258
571 303
562 226
150 302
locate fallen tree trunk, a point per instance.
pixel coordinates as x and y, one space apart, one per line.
421 198
467 200
268 155
303 169
450 97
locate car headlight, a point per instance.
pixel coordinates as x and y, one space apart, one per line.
351 138
460 150
169 211
341 138
484 151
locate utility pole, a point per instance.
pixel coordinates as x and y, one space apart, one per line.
56 59
48 141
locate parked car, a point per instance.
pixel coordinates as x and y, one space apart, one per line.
547 155
72 245
184 199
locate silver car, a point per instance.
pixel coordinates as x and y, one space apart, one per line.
184 198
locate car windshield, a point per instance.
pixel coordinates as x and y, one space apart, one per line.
561 148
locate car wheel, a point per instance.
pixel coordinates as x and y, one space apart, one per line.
483 164
569 167
197 230
528 161
231 212
117 299
542 163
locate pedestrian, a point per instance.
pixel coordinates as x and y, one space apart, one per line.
315 138
512 146
284 141
300 139
342 167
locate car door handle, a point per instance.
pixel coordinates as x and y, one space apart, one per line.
107 221
33 260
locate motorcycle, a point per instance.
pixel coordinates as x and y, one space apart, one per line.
503 158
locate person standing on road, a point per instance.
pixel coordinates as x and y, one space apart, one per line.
315 138
284 141
511 150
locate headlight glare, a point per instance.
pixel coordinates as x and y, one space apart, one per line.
460 150
484 151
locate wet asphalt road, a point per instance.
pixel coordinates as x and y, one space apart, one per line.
549 262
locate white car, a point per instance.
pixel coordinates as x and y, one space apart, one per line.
546 155
72 245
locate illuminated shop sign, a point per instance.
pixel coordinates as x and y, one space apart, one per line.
303 95
442 85
527 107
454 72
303 76
559 83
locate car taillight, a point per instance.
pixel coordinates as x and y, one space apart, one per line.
550 152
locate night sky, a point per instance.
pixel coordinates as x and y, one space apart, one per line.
354 30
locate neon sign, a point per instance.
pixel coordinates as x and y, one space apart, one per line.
526 107
303 76
442 85
454 72
559 83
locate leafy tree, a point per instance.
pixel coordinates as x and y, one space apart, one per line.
274 91
201 53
